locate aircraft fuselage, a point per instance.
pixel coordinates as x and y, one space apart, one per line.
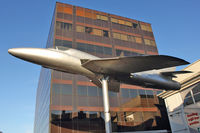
70 61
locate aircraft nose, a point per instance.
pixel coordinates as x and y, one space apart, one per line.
15 51
18 52
25 53
12 51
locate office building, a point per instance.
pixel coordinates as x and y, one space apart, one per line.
71 103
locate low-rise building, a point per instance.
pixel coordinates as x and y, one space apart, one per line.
183 106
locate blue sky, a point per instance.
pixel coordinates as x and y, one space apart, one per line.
26 23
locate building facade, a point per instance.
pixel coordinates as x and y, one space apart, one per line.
71 103
184 114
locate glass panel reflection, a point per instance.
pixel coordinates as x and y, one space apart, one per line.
82 90
188 101
88 121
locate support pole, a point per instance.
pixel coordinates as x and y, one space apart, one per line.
107 118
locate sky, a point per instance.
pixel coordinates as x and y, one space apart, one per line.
26 23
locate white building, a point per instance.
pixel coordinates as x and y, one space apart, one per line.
183 106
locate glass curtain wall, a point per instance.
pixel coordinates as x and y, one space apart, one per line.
42 116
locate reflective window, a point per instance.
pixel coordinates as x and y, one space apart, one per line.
131 38
196 93
149 94
62 89
63 43
81 47
135 25
99 91
197 97
138 39
147 41
146 27
93 115
188 101
97 32
153 43
149 28
196 89
58 25
66 89
58 115
122 22
80 28
64 26
188 95
101 17
105 33
116 35
128 23
55 115
158 92
133 93
82 90
99 49
66 115
126 53
82 115
114 20
128 38
94 48
125 93
193 96
112 94
93 31
90 48
142 93
104 18
118 52
143 27
124 37
92 91
88 29
107 51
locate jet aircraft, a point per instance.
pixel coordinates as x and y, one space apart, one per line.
149 71
108 73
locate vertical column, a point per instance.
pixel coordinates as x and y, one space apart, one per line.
107 118
74 28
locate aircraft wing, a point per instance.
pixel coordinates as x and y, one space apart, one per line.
127 65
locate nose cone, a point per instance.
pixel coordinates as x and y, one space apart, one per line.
14 51
40 56
20 52
29 54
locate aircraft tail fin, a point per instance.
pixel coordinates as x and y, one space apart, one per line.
174 73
